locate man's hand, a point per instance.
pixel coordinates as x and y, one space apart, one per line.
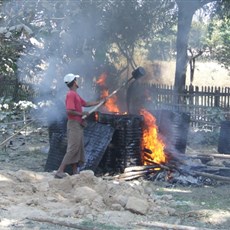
85 114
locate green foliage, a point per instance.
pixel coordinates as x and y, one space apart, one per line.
223 50
219 32
10 52
219 40
162 45
9 109
198 34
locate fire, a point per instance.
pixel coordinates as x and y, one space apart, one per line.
111 102
101 79
152 144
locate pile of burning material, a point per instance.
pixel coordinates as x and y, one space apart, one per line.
125 147
131 146
188 171
136 148
184 175
160 161
147 144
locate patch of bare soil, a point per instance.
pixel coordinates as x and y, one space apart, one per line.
33 199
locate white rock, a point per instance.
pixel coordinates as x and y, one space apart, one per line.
117 207
85 192
64 184
137 205
121 199
28 176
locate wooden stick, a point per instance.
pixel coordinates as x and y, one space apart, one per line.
138 173
167 167
124 84
222 156
137 176
201 157
170 226
61 223
9 138
129 178
212 168
212 176
140 168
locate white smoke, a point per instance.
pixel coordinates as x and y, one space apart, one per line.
49 55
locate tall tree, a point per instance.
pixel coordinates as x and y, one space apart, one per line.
186 10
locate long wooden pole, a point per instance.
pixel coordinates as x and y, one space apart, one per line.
9 138
171 226
63 223
105 99
212 176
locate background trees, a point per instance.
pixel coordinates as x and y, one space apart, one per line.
43 40
219 33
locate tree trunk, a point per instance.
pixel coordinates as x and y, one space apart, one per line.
185 14
186 10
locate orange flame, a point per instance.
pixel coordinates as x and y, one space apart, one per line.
101 79
152 144
110 104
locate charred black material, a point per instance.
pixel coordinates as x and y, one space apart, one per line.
58 126
58 143
113 141
125 147
96 139
56 118
173 126
139 72
224 138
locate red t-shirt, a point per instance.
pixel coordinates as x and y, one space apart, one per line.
74 102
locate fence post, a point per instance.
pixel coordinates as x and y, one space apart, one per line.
196 96
191 94
217 97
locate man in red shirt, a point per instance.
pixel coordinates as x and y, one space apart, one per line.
75 143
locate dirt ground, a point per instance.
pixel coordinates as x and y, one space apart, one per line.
33 199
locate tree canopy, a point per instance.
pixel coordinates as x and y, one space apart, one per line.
42 40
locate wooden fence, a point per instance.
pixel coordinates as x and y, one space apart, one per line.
206 105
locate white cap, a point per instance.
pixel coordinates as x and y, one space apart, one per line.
70 77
